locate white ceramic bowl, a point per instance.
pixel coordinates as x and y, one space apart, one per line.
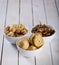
13 40
29 53
49 38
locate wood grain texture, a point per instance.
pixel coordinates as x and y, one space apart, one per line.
26 19
26 14
55 51
53 20
57 6
44 58
38 12
52 15
2 21
10 53
29 13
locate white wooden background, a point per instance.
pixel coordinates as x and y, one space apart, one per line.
29 13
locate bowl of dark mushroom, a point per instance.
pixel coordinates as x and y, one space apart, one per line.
47 31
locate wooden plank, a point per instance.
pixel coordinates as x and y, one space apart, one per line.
0 4
55 50
52 15
2 19
53 20
24 60
26 14
10 53
26 19
57 6
13 12
38 12
44 58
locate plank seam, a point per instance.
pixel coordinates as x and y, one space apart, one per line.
32 13
19 23
51 53
33 23
45 12
3 35
2 50
56 7
18 57
47 23
19 10
35 60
